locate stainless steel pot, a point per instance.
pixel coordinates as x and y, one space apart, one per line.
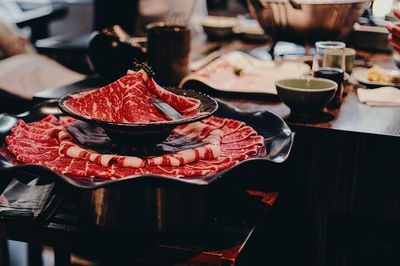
307 21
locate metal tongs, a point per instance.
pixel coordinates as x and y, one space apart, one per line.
167 109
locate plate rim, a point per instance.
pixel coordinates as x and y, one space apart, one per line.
367 82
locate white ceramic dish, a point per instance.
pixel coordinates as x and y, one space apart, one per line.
360 74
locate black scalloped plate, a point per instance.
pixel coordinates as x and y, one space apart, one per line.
278 142
147 133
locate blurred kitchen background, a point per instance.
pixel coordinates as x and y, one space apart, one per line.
80 16
61 30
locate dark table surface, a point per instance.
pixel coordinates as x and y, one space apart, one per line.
345 163
352 116
218 242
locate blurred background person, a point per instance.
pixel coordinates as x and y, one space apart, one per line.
394 32
12 40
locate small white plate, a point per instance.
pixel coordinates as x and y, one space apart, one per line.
360 74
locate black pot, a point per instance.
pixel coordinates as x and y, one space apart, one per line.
167 207
112 51
145 209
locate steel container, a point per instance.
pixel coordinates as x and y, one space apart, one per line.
307 21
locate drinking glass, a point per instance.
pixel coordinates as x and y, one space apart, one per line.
168 48
330 62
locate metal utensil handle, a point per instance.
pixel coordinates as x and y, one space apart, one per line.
167 109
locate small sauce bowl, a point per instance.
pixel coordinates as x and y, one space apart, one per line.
306 94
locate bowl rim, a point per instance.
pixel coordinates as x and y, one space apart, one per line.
231 22
151 125
333 86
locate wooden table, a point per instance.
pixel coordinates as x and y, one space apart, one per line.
344 167
219 242
345 164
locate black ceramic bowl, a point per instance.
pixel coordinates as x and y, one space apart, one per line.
146 134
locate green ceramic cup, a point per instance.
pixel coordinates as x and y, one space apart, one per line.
306 95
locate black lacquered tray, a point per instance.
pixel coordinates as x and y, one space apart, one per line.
278 143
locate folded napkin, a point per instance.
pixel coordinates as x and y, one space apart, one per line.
383 96
26 74
28 200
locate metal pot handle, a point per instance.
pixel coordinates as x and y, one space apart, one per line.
295 5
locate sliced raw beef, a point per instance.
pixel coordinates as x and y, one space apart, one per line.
127 101
193 150
249 142
180 103
239 134
72 150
